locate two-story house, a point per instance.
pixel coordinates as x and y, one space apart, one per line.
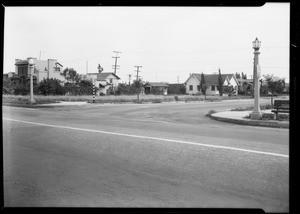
49 68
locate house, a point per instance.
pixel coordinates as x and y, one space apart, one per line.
156 87
212 80
104 81
245 85
49 68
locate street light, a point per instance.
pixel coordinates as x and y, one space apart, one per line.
256 114
31 66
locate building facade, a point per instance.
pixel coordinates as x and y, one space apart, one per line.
159 87
43 69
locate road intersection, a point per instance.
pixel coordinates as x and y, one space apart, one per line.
151 155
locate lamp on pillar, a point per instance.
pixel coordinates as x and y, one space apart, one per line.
256 114
31 67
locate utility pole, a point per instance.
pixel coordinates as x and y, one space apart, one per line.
137 71
115 66
177 79
129 75
137 79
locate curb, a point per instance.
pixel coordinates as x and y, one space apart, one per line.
273 124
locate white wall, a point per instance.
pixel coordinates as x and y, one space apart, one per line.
194 82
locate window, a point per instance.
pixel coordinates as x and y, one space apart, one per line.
213 88
57 68
22 70
198 87
191 87
110 80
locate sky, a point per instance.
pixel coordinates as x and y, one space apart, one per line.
168 42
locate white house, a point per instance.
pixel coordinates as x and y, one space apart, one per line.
104 81
212 80
49 68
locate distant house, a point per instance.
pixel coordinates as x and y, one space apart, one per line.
104 81
49 68
245 85
8 75
150 87
212 80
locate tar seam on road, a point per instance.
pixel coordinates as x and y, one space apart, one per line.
151 138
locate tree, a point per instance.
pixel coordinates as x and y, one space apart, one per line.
71 75
274 85
220 83
100 69
246 87
137 86
7 87
228 89
203 85
244 76
21 85
238 75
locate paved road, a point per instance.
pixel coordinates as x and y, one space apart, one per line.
142 155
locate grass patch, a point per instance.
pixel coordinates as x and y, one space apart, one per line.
40 99
250 108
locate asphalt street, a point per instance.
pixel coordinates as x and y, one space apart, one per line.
142 155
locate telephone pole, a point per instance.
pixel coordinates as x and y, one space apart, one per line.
115 66
137 79
177 79
137 71
129 75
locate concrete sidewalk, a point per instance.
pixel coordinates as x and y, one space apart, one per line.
239 117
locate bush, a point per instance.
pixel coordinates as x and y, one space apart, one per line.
176 89
51 87
21 90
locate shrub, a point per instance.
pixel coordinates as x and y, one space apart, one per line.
51 87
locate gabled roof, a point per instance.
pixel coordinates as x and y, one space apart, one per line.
59 64
156 84
211 79
103 76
